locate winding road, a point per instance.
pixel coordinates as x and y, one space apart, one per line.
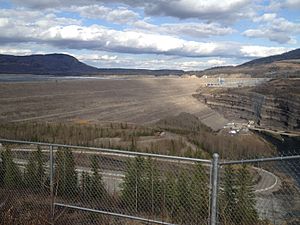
267 183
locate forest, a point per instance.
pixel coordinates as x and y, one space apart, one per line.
187 136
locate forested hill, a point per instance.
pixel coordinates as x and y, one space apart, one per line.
62 64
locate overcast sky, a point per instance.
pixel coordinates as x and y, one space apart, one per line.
152 34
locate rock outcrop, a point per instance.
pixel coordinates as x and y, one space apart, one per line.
275 104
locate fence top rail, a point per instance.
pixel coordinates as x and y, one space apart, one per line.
143 220
246 161
107 150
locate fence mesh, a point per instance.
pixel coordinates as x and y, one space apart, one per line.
146 187
102 187
264 193
24 185
164 191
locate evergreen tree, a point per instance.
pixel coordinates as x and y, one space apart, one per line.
246 213
40 164
142 187
171 195
12 173
65 174
199 195
238 199
30 178
34 171
96 187
151 199
2 169
85 185
228 202
132 188
184 194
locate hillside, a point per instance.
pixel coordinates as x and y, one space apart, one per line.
121 71
62 64
277 66
54 64
294 54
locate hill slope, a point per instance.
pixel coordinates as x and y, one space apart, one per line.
276 66
294 54
62 64
54 64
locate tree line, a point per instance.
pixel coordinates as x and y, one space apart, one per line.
185 125
182 194
66 180
71 133
129 136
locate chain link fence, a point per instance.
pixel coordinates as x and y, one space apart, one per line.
25 185
44 183
260 191
150 188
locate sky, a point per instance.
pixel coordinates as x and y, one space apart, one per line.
151 34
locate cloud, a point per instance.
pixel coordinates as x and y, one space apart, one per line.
275 5
201 64
26 25
196 30
45 4
120 15
267 17
275 36
96 57
226 10
292 4
208 10
182 34
275 29
14 51
261 51
102 38
186 64
157 62
19 26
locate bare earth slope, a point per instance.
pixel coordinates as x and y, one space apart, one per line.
137 100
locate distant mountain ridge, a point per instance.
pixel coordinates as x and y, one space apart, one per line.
54 64
65 65
276 66
286 64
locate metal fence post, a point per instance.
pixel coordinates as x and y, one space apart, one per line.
51 184
214 191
